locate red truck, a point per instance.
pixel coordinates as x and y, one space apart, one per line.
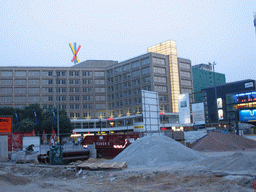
109 146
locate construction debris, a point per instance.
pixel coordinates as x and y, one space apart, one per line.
98 166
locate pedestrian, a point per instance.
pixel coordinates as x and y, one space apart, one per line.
52 141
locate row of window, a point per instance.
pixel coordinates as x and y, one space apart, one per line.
128 84
124 103
129 66
51 73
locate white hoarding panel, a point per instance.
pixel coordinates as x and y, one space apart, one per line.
31 140
4 148
150 111
184 109
198 113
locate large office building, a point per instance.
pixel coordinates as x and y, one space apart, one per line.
102 93
203 77
230 97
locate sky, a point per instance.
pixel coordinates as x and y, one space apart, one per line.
38 33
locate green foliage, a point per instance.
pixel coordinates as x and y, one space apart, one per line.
45 120
26 125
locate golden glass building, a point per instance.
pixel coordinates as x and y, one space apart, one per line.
169 48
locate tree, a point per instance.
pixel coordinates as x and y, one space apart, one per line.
26 125
48 122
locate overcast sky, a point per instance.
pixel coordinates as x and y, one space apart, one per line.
38 33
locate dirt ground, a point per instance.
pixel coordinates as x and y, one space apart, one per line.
41 178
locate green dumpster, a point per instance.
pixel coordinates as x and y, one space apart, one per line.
56 155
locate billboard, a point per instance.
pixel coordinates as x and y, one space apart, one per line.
184 109
198 113
247 115
150 111
5 124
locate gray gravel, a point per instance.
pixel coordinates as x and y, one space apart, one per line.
156 150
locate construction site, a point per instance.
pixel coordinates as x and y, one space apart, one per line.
200 160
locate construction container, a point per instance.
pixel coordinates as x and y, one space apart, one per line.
109 146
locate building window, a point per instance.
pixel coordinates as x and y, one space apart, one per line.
158 61
77 106
87 73
186 74
160 79
64 98
6 73
145 61
34 73
100 74
186 83
136 64
50 98
50 73
64 107
136 73
71 114
184 65
71 106
50 90
77 98
126 67
146 80
50 81
87 90
160 89
159 70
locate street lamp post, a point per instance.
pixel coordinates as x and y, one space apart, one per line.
57 103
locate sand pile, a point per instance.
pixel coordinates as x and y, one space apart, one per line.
156 150
217 141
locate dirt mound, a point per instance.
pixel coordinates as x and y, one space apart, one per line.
156 150
217 141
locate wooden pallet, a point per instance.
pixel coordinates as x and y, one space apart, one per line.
98 166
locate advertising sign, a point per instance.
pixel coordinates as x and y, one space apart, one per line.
249 84
150 111
5 124
220 114
198 113
247 115
219 103
184 109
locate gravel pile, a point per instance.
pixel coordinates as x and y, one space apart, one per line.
156 150
236 162
217 141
